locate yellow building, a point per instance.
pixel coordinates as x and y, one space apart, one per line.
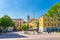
44 23
33 24
50 22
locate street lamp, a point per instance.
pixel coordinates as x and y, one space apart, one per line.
37 26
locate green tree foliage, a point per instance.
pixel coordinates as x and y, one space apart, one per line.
54 11
23 27
0 22
6 21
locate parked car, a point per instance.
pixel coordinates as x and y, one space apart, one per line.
1 30
9 29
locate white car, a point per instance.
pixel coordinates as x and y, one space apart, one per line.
9 29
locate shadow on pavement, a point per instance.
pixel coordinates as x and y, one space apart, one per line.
11 35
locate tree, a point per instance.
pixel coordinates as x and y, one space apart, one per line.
54 11
6 21
23 27
0 22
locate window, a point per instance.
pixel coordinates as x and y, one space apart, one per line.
59 24
58 19
54 24
45 19
44 24
48 24
51 24
48 20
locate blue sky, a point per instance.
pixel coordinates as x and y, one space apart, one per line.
22 8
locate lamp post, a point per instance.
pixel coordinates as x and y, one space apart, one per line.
20 24
37 26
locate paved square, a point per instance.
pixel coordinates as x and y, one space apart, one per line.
19 36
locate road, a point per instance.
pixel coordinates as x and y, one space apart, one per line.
20 36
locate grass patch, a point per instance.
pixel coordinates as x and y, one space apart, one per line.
58 32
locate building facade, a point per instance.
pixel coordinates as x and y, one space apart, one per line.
32 23
18 22
45 23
